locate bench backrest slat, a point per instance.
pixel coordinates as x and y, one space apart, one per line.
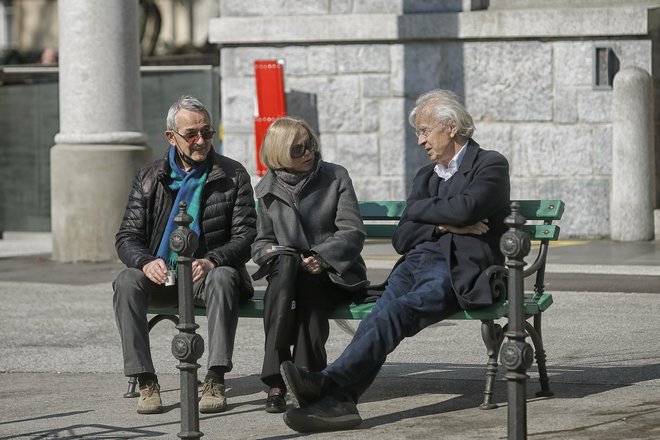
542 232
385 210
381 217
380 231
541 209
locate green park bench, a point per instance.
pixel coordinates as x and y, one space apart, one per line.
380 219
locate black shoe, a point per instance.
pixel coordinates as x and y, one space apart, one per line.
304 387
275 402
327 414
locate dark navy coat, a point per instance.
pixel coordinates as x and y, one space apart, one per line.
479 190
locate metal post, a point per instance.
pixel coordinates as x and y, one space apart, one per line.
187 346
516 355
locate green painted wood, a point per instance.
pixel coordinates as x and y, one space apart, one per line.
375 213
532 307
495 311
541 209
255 309
530 209
542 232
382 210
380 222
380 230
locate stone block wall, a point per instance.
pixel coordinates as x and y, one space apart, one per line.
530 93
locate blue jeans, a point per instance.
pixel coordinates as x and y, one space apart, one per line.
418 294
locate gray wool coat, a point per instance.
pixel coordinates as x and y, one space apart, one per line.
325 219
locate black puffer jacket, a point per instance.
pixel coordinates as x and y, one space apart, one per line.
228 216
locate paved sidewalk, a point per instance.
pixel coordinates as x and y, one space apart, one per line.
574 256
60 366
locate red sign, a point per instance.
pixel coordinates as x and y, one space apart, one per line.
271 103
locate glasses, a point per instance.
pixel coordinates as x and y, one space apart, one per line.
426 132
191 138
298 150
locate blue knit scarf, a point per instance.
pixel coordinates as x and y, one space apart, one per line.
189 186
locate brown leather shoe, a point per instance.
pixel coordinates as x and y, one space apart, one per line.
149 401
213 397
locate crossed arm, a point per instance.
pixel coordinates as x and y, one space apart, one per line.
426 216
477 228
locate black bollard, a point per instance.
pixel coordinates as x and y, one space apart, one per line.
187 346
516 355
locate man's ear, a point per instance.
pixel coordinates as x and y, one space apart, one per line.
170 137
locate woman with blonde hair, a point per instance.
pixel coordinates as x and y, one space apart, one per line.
309 238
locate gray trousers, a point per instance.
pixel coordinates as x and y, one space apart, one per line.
134 293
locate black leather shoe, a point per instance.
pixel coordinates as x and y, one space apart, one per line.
304 387
275 404
327 414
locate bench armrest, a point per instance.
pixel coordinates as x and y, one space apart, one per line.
497 277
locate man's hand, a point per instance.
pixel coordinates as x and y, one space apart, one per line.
200 268
156 271
311 265
477 229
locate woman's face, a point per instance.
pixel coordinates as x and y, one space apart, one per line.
305 162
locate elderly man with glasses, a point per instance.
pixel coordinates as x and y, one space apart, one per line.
448 235
220 200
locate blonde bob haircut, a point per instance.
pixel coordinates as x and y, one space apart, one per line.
276 146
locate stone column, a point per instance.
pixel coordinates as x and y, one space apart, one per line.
100 143
633 157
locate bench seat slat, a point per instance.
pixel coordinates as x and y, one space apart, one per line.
495 311
255 309
532 307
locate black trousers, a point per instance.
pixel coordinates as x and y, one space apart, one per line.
316 297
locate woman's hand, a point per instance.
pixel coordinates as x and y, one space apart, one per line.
311 265
476 229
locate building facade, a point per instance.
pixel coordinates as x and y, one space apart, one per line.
536 76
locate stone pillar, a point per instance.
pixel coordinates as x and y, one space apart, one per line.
633 157
100 143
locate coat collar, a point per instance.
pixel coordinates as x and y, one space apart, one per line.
268 183
471 150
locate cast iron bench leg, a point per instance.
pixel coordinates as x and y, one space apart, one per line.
539 352
156 319
132 384
492 335
132 381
